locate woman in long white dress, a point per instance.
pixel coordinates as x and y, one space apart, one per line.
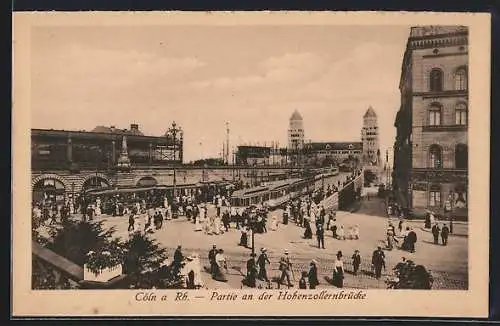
193 266
249 235
217 225
221 262
355 232
274 223
197 224
169 212
341 233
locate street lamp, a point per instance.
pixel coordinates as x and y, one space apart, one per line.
73 195
172 132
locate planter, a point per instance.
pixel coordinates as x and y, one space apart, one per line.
104 275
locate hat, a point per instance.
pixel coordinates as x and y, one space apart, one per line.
263 249
314 262
286 252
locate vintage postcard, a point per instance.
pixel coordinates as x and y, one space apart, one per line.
251 164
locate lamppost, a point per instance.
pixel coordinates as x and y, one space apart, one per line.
172 133
73 194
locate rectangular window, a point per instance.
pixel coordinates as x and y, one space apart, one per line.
461 117
434 118
434 198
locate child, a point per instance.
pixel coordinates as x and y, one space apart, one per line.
303 281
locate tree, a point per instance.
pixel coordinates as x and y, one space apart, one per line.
142 257
144 261
74 239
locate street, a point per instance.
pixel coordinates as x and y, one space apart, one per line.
448 264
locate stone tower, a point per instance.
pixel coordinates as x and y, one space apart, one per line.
369 137
295 134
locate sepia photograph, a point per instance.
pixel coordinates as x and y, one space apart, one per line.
286 158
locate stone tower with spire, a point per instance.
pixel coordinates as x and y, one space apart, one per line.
370 139
295 134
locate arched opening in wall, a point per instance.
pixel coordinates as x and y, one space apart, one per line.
95 182
435 156
461 156
147 182
436 80
461 79
48 190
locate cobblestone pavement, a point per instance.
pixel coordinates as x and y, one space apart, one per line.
448 264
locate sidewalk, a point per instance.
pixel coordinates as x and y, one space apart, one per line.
460 229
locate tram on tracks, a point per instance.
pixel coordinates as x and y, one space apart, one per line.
202 191
273 194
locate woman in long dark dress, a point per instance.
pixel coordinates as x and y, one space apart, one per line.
313 275
308 232
243 238
338 271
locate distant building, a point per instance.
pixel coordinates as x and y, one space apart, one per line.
260 155
430 150
333 153
253 155
295 136
102 148
370 138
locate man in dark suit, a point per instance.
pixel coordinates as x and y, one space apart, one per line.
445 231
435 233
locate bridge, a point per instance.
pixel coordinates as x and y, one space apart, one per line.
66 181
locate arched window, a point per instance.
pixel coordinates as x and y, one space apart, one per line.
435 157
95 182
436 80
147 181
461 114
435 114
461 79
461 156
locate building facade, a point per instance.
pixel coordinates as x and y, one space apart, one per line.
260 155
334 153
431 150
295 137
104 150
370 139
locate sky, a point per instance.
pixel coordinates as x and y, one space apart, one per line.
201 77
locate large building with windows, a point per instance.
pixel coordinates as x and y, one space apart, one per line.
334 153
104 150
430 151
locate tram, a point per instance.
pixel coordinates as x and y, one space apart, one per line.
203 192
331 173
273 194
